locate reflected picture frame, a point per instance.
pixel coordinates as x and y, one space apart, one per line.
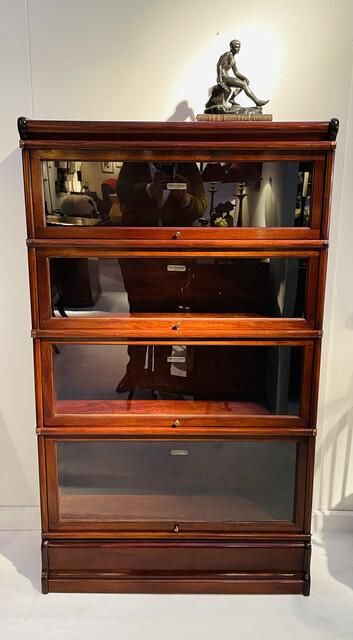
107 167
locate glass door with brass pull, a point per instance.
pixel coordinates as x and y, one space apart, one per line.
197 192
269 289
138 383
176 485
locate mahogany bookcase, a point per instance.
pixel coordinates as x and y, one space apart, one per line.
177 357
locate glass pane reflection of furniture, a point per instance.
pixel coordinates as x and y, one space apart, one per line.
176 481
270 287
243 380
225 194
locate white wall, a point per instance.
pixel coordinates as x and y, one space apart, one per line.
155 60
18 463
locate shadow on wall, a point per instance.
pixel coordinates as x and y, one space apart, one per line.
16 476
339 550
349 323
340 438
22 548
337 454
327 613
182 113
27 564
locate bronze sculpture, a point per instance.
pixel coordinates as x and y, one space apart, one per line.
222 98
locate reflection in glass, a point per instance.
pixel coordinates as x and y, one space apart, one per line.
177 481
244 380
156 194
100 287
198 194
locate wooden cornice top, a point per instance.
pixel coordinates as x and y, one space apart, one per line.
181 132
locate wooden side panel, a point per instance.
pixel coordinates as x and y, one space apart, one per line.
43 482
325 225
27 178
315 383
38 383
320 298
33 283
45 567
309 484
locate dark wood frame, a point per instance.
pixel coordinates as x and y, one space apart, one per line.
247 559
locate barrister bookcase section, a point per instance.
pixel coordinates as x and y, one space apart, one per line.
177 275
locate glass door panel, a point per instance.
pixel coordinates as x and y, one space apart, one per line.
199 380
264 287
177 482
222 194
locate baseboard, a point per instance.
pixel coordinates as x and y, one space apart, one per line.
19 518
326 520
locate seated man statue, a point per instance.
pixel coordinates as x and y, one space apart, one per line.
226 83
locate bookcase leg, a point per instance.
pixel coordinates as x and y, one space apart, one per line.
307 559
45 568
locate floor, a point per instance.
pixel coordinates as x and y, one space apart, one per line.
25 614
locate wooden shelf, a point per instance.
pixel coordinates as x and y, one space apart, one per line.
160 407
168 508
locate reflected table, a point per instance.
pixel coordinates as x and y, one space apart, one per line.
72 221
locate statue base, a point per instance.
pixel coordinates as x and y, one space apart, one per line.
234 117
220 108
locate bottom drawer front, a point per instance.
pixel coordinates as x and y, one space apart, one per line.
154 558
